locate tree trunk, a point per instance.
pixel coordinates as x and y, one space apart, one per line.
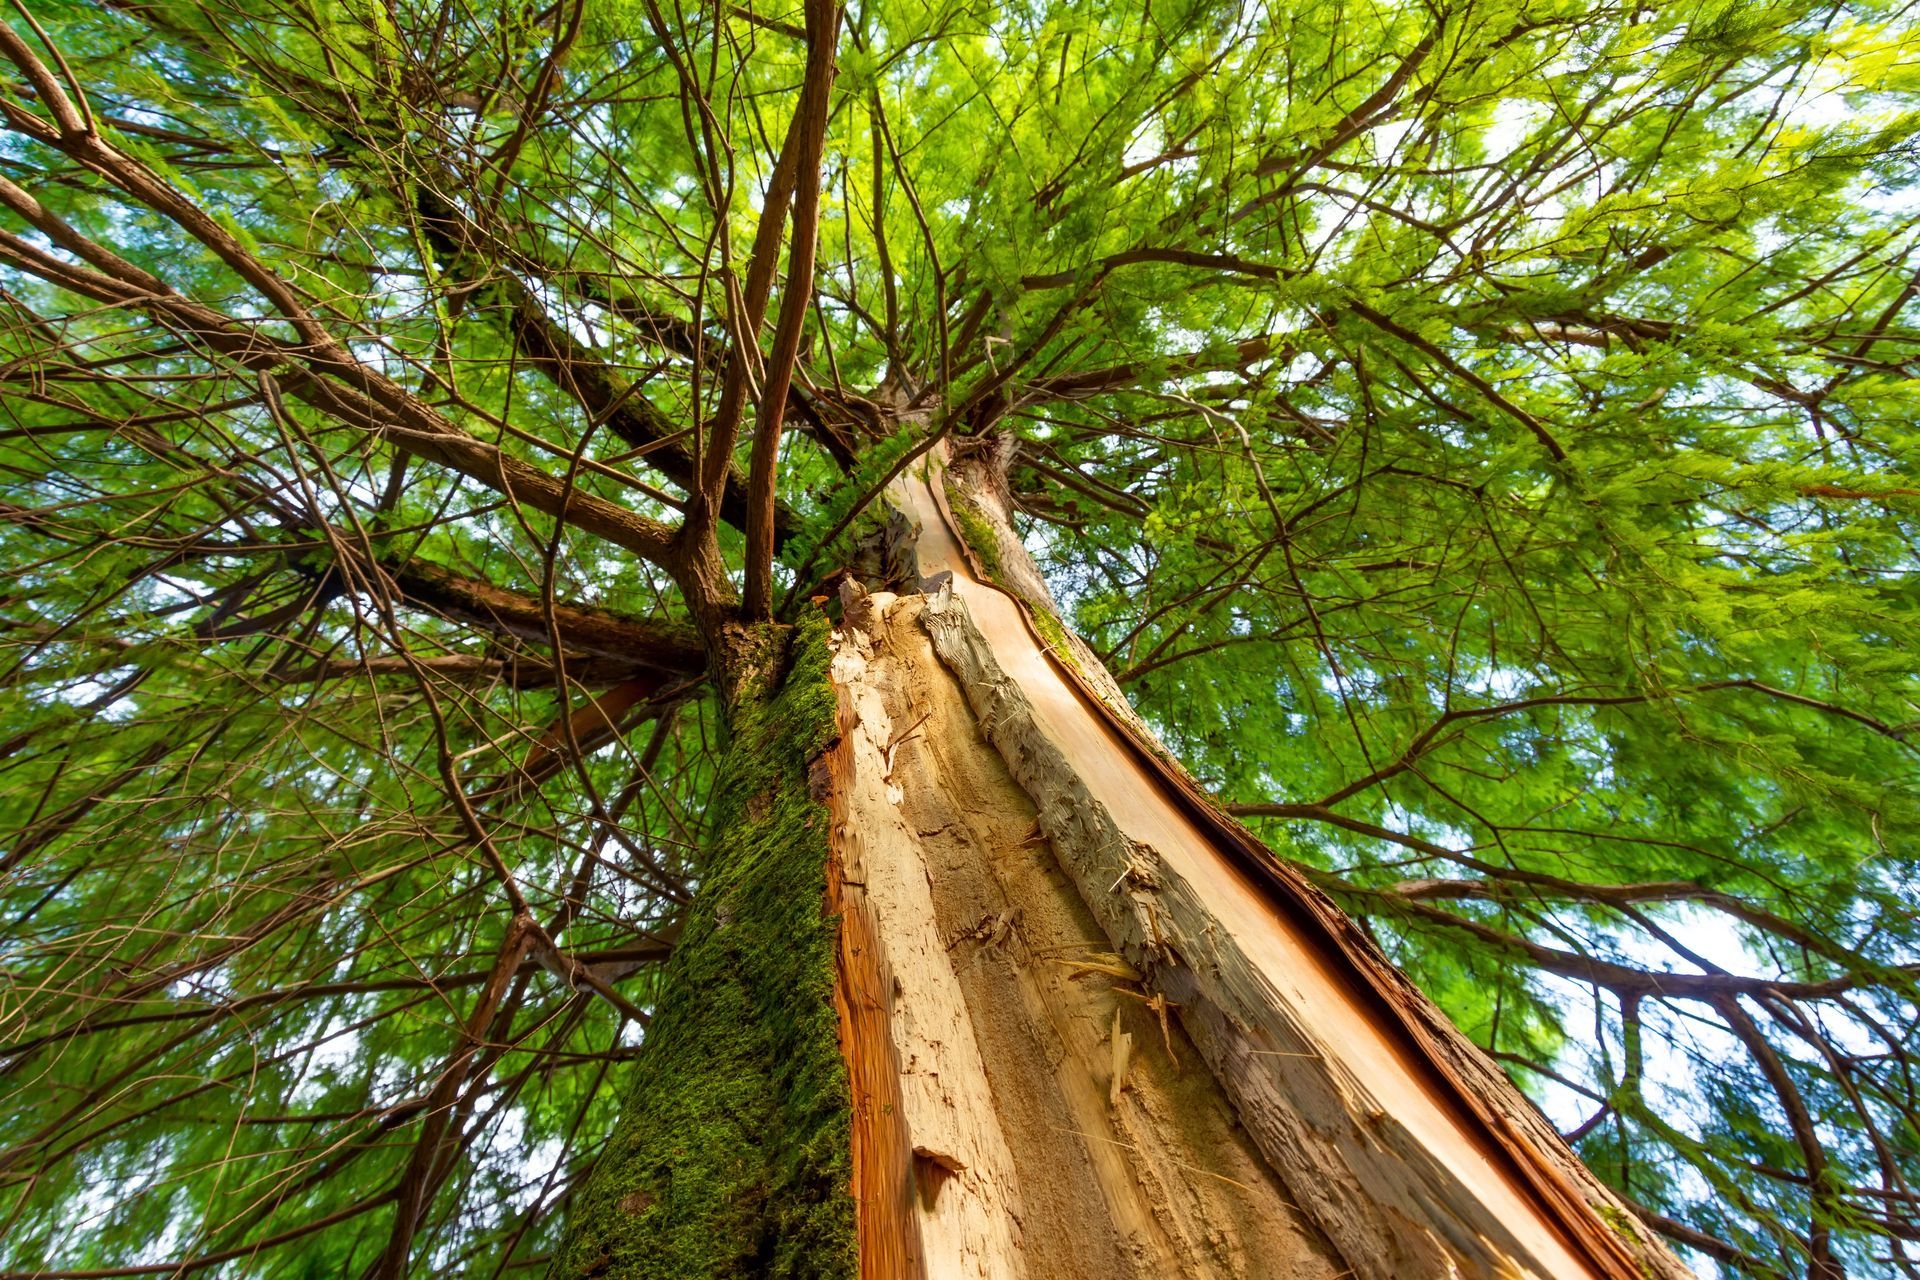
980 983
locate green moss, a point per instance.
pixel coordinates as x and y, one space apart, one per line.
1054 632
983 538
1618 1221
732 1153
1623 1226
975 529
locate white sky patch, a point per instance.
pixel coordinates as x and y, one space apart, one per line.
1146 144
213 984
83 692
1322 220
1514 121
1893 201
1304 366
1499 682
1387 138
96 1201
337 1049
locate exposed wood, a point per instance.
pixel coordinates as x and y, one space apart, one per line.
889 1229
968 1212
1023 1157
1407 1147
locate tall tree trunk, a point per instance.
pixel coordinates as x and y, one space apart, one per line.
982 984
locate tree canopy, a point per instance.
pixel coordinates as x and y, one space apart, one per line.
1479 435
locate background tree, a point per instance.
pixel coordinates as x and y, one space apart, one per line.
1479 438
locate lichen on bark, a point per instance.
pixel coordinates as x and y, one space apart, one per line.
731 1155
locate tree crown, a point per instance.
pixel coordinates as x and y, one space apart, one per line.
1478 436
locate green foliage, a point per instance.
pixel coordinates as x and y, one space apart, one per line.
1480 436
846 512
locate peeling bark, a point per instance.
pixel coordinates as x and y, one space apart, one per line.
1409 1153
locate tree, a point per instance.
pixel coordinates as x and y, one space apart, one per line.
582 576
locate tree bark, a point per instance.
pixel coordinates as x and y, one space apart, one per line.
1084 1023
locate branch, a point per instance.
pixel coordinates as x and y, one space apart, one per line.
316 368
1712 1246
1228 263
409 1193
823 25
590 380
1500 887
651 643
514 671
582 731
1821 1263
1466 375
185 1266
1074 386
1628 980
1425 739
329 379
1414 892
608 965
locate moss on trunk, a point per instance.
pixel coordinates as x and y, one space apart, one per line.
731 1155
982 536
